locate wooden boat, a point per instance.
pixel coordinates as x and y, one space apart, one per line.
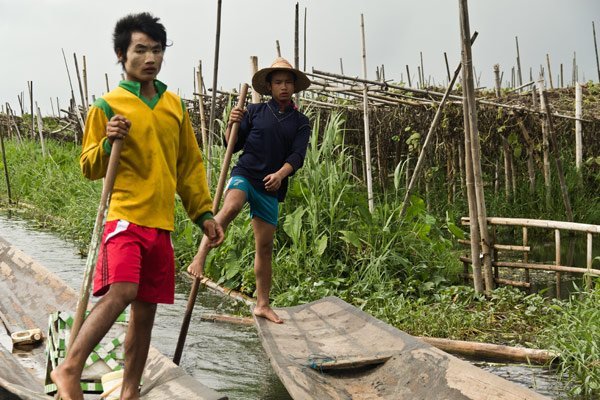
329 349
29 293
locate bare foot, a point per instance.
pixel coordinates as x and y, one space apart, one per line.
67 383
268 313
196 269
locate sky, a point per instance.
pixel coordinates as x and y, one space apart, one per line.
35 33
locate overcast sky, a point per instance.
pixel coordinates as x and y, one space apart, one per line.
33 33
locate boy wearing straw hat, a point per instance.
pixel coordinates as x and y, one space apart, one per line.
273 137
160 158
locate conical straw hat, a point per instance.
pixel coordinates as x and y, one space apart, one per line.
259 80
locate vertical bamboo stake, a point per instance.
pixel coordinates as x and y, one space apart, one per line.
57 108
596 49
6 175
106 80
297 46
366 120
40 124
79 82
304 43
545 147
52 107
526 254
578 126
421 83
574 74
557 260
519 74
254 70
507 172
422 70
496 177
447 67
589 261
85 84
470 113
497 80
211 121
408 76
549 71
341 67
30 89
557 160
562 81
201 111
278 48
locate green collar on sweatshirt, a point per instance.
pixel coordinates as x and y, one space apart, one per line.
135 88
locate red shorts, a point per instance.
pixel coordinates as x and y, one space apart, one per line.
133 253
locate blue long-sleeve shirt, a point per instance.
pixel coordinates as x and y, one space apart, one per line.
269 139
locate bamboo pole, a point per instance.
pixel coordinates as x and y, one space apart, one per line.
549 71
557 260
589 261
254 70
447 67
408 76
233 135
562 81
507 169
106 80
557 160
278 48
304 42
578 126
519 74
109 180
498 83
79 82
432 127
297 46
422 71
545 148
366 120
6 175
213 105
541 267
341 66
470 112
40 123
85 84
540 223
30 90
596 49
201 111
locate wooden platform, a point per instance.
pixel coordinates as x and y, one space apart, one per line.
329 349
29 293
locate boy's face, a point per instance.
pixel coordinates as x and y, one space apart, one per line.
144 58
281 86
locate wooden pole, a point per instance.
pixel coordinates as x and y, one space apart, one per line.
447 67
519 74
254 70
422 71
596 49
497 80
341 66
278 48
297 46
578 126
213 103
562 81
40 123
107 85
366 120
557 160
79 82
471 114
545 148
6 175
304 42
201 111
85 85
557 260
84 295
432 127
30 89
216 203
549 71
408 76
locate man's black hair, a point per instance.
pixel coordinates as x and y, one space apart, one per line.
142 22
269 76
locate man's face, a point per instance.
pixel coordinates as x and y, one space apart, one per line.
144 58
282 85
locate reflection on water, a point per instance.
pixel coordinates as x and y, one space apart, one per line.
226 357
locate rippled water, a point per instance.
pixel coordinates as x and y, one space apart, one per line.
226 357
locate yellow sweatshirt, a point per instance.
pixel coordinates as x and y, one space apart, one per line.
160 157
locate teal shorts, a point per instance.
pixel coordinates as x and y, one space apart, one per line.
262 205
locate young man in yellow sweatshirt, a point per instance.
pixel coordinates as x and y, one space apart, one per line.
160 158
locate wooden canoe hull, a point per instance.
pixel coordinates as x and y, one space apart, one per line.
333 330
29 293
